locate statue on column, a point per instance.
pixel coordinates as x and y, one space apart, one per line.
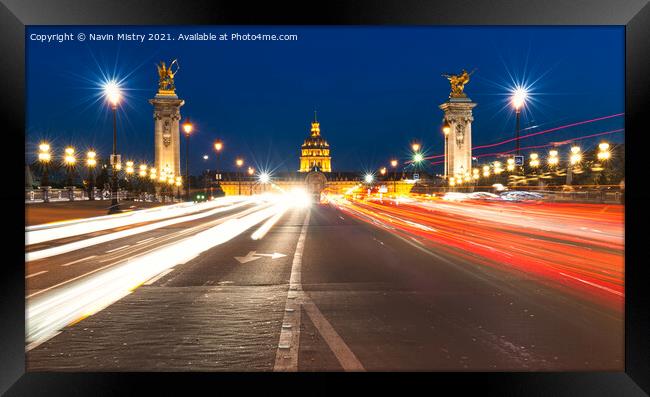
166 77
457 82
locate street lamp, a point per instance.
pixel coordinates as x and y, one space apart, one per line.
205 177
70 160
187 128
415 146
239 162
251 171
519 96
91 162
113 95
446 129
393 163
44 158
534 160
218 146
603 151
368 178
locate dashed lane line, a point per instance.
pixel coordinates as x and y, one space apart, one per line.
36 274
117 249
79 260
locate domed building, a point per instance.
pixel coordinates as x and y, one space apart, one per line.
315 151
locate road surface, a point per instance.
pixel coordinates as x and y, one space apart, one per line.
372 285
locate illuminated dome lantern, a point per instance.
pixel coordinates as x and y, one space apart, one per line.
315 151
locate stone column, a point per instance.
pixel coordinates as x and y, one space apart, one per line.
458 113
167 116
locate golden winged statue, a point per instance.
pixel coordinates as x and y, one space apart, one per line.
458 82
166 77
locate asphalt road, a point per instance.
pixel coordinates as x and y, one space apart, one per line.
321 291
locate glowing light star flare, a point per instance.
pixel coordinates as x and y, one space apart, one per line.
112 92
519 96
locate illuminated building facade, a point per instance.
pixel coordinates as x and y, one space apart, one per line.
315 151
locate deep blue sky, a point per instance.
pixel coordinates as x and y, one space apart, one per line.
375 89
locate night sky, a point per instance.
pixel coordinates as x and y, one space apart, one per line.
375 89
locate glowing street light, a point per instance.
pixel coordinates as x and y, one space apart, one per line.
510 164
69 157
239 162
534 160
486 171
603 153
251 170
129 167
475 173
368 178
113 93
446 129
265 177
415 146
576 157
143 170
44 157
187 128
382 171
552 160
418 157
519 96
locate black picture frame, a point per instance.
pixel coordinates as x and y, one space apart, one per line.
633 14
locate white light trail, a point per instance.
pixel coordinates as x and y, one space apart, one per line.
42 233
49 312
62 249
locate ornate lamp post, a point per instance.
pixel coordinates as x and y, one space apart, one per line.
251 171
70 160
129 173
152 178
218 146
239 162
187 128
179 182
205 177
113 94
519 96
44 158
393 163
91 162
446 129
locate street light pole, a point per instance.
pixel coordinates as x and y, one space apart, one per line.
187 127
112 92
239 162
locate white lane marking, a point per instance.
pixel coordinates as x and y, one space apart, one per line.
286 357
348 360
36 274
117 249
145 240
158 277
79 260
593 284
68 281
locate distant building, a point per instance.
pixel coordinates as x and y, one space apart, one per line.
315 151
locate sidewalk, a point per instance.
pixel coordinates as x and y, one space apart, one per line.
40 213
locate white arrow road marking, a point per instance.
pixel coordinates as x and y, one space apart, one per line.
249 257
252 255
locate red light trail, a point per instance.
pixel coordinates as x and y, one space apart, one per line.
575 248
539 133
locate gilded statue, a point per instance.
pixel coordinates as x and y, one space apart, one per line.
166 77
458 82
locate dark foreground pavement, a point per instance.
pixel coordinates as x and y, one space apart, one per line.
370 297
